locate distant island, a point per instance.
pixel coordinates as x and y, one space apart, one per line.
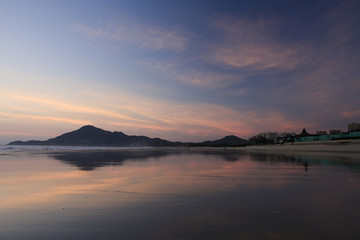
93 136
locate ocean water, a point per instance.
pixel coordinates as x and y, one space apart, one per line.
106 193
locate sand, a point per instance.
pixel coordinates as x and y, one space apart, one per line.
325 146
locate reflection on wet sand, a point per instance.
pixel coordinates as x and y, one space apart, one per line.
89 160
315 159
150 194
141 172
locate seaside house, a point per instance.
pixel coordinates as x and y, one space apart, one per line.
353 127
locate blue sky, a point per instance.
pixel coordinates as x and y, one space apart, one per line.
180 70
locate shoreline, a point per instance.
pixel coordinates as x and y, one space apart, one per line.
341 146
345 153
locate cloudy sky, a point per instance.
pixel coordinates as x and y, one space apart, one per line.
180 70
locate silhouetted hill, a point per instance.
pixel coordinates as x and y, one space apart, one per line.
231 140
93 136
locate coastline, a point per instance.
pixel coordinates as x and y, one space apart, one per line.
336 152
325 148
341 146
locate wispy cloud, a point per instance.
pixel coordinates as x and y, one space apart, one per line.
351 114
149 37
330 71
192 76
302 76
236 92
252 44
344 21
145 115
43 118
249 47
66 107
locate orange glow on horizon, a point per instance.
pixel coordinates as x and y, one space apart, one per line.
148 115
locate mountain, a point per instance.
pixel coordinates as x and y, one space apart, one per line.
231 140
93 136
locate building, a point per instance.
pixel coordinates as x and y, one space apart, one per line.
335 131
353 127
321 133
287 134
331 137
269 135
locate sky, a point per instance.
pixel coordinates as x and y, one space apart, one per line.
179 70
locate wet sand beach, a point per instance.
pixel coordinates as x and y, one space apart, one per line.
324 146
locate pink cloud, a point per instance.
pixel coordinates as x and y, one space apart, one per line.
135 115
251 44
43 118
350 114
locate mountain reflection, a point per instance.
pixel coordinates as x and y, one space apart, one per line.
90 160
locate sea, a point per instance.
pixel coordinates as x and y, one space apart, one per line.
58 193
